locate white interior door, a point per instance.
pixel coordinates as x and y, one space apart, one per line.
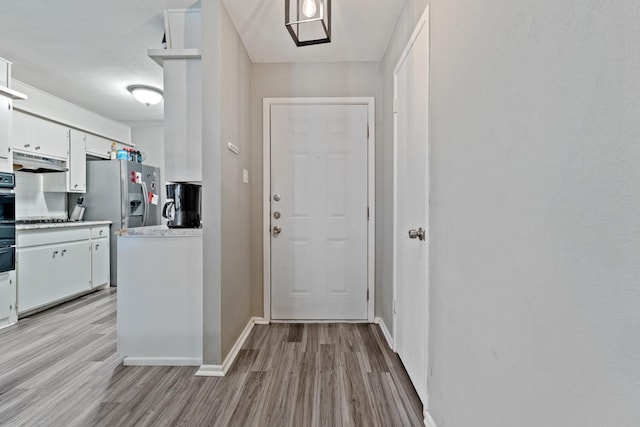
412 208
319 212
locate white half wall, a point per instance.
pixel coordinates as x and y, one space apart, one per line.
535 303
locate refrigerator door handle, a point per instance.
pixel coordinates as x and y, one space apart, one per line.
145 196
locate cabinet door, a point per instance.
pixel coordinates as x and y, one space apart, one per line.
77 163
6 300
37 276
50 139
75 273
5 125
51 273
21 132
99 262
97 146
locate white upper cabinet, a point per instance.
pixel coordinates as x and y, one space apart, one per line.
5 125
34 135
77 162
75 179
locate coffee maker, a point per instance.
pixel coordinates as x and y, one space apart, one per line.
182 209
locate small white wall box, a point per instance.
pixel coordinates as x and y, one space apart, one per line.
183 28
5 73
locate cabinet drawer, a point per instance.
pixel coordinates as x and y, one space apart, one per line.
25 238
98 232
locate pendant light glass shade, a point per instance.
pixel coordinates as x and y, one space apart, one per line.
147 95
308 21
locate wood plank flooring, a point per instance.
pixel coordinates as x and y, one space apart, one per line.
60 368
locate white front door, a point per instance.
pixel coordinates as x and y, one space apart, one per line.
411 208
319 212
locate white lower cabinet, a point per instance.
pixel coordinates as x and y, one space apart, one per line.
8 314
55 264
53 272
100 271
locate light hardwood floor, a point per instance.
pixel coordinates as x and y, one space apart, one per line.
60 368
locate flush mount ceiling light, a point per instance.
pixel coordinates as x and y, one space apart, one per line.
308 21
148 95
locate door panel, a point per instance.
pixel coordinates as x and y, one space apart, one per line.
412 210
319 174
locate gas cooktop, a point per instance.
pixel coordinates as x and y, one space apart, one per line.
42 221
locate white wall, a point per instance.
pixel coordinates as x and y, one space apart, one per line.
335 79
32 202
535 302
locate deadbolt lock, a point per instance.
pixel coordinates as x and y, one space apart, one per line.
276 215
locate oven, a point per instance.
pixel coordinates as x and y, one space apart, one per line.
7 222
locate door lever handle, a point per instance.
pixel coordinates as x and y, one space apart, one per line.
417 234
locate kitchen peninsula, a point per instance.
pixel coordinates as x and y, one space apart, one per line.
160 295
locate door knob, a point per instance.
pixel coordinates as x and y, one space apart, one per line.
276 197
276 230
417 234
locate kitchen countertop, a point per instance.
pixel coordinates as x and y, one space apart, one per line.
159 231
61 225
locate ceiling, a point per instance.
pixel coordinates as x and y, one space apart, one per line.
360 31
88 52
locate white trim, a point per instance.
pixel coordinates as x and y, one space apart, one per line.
266 189
162 361
350 321
221 370
385 332
210 371
424 20
428 419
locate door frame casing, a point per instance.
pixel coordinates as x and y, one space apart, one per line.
266 190
422 23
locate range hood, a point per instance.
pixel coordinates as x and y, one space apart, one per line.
37 164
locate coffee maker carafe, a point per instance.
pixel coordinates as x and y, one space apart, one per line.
182 209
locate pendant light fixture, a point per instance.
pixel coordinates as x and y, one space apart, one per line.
308 21
147 95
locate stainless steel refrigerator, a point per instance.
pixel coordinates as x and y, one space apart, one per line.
126 193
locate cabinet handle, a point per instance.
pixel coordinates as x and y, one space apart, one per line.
75 186
97 246
27 145
55 253
37 147
101 231
63 251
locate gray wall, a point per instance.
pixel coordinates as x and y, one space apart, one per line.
336 79
226 204
236 201
535 245
211 180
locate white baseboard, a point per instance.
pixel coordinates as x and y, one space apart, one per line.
162 361
221 370
385 332
428 419
210 371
